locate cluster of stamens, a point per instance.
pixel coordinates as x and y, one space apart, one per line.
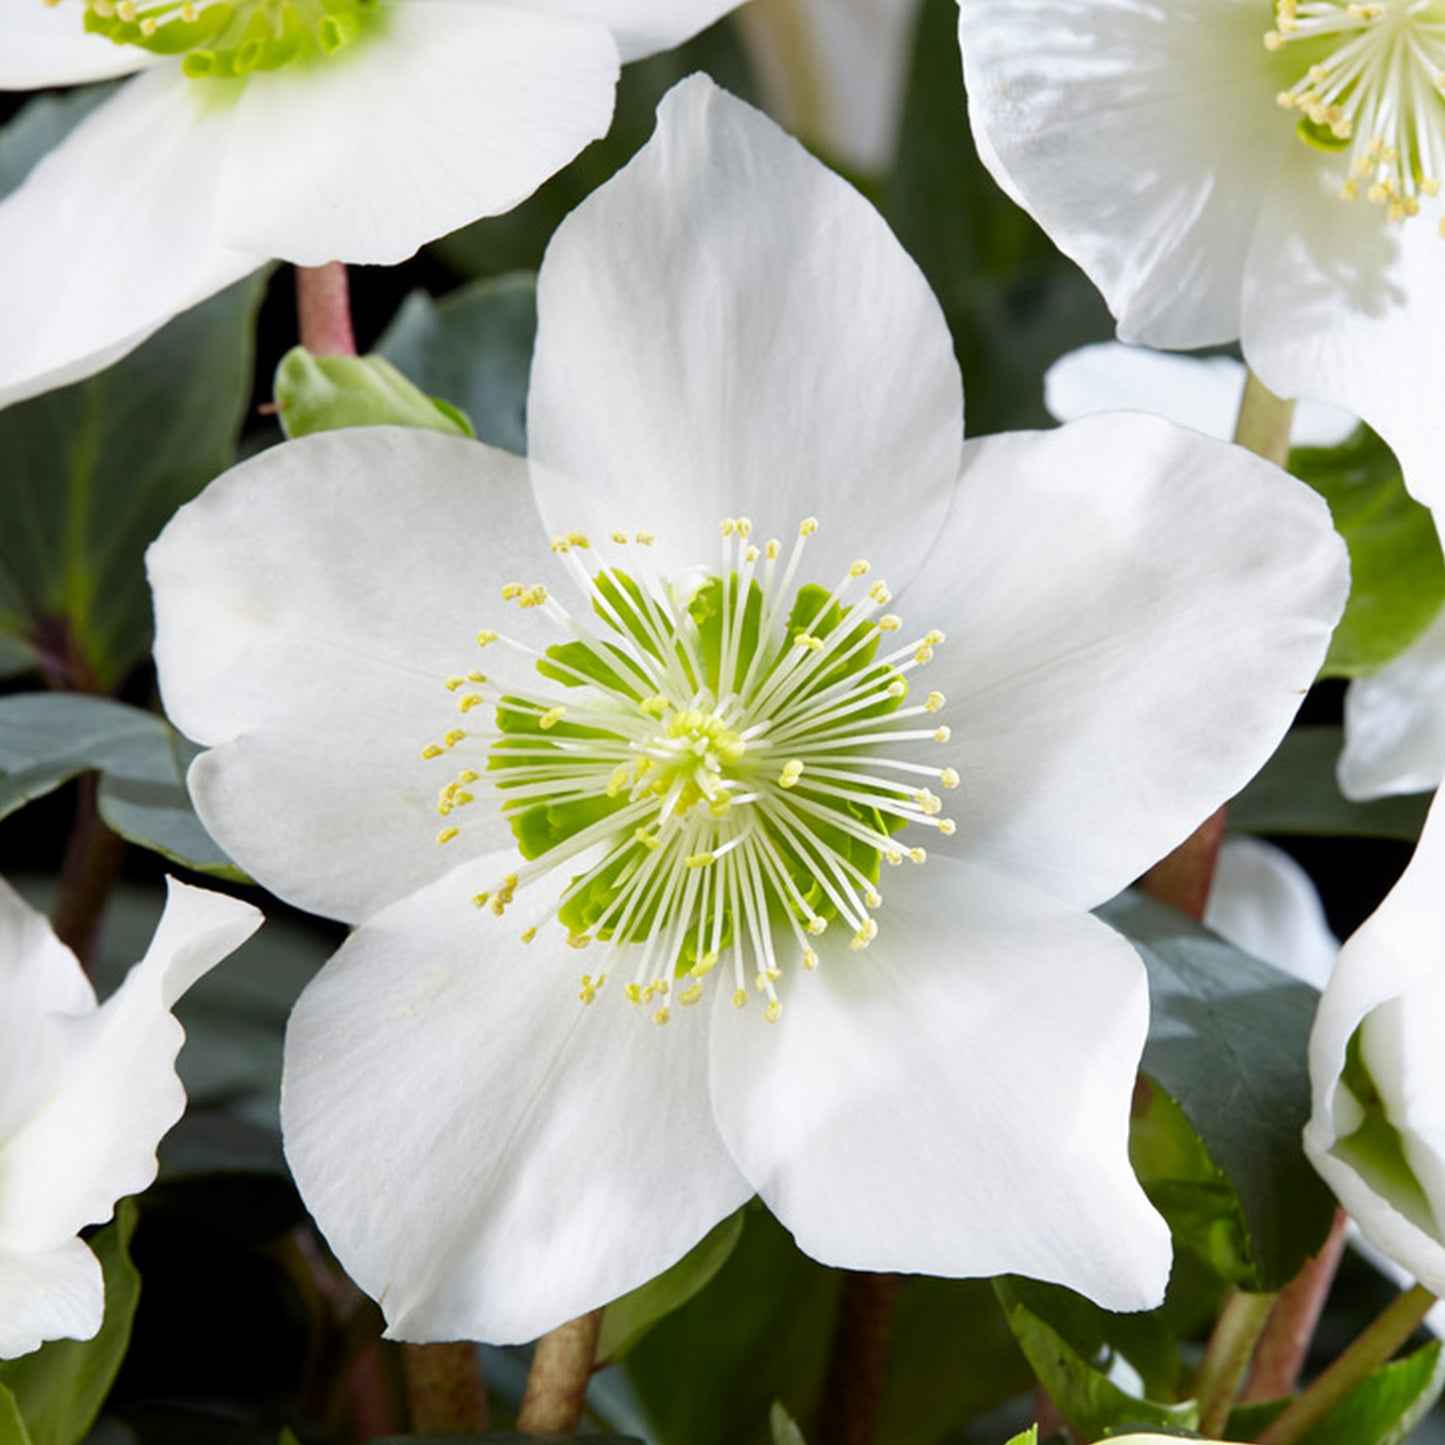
230 39
721 770
1374 89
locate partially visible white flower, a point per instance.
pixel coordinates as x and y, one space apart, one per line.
312 131
1199 391
799 728
1194 158
1395 723
834 71
1264 903
1377 1130
86 1092
1394 718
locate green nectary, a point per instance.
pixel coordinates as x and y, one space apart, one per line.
230 41
713 764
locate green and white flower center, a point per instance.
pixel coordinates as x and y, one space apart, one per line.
1371 85
722 767
231 39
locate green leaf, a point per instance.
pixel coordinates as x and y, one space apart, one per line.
1026 1437
12 1427
784 1427
1249 1422
48 738
1388 1405
953 1357
326 393
1228 1042
1296 792
1185 1185
506 1438
629 1318
61 1387
288 1438
1091 1401
95 470
1397 572
473 347
704 1380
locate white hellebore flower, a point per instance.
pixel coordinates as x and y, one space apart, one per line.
797 728
86 1092
835 71
309 130
1377 1131
1266 170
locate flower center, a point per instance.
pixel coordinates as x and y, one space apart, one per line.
1373 87
721 770
222 40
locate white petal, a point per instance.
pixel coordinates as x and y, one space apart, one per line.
1395 723
833 71
55 1294
92 266
954 1100
47 45
1340 304
111 1087
727 329
1133 612
1199 392
1390 983
1142 137
483 104
642 27
487 1156
309 606
39 976
1263 902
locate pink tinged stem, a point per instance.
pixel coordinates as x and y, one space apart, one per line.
557 1382
445 1390
853 1391
323 308
1286 1339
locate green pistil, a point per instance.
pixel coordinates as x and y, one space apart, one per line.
226 41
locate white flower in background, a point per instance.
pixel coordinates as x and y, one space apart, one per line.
1199 391
834 72
1377 1131
309 130
1395 723
1229 169
86 1092
755 625
1264 903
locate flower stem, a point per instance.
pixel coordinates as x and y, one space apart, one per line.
93 858
557 1381
1184 877
1286 1339
445 1390
1264 422
1227 1357
1371 1350
323 309
853 1391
